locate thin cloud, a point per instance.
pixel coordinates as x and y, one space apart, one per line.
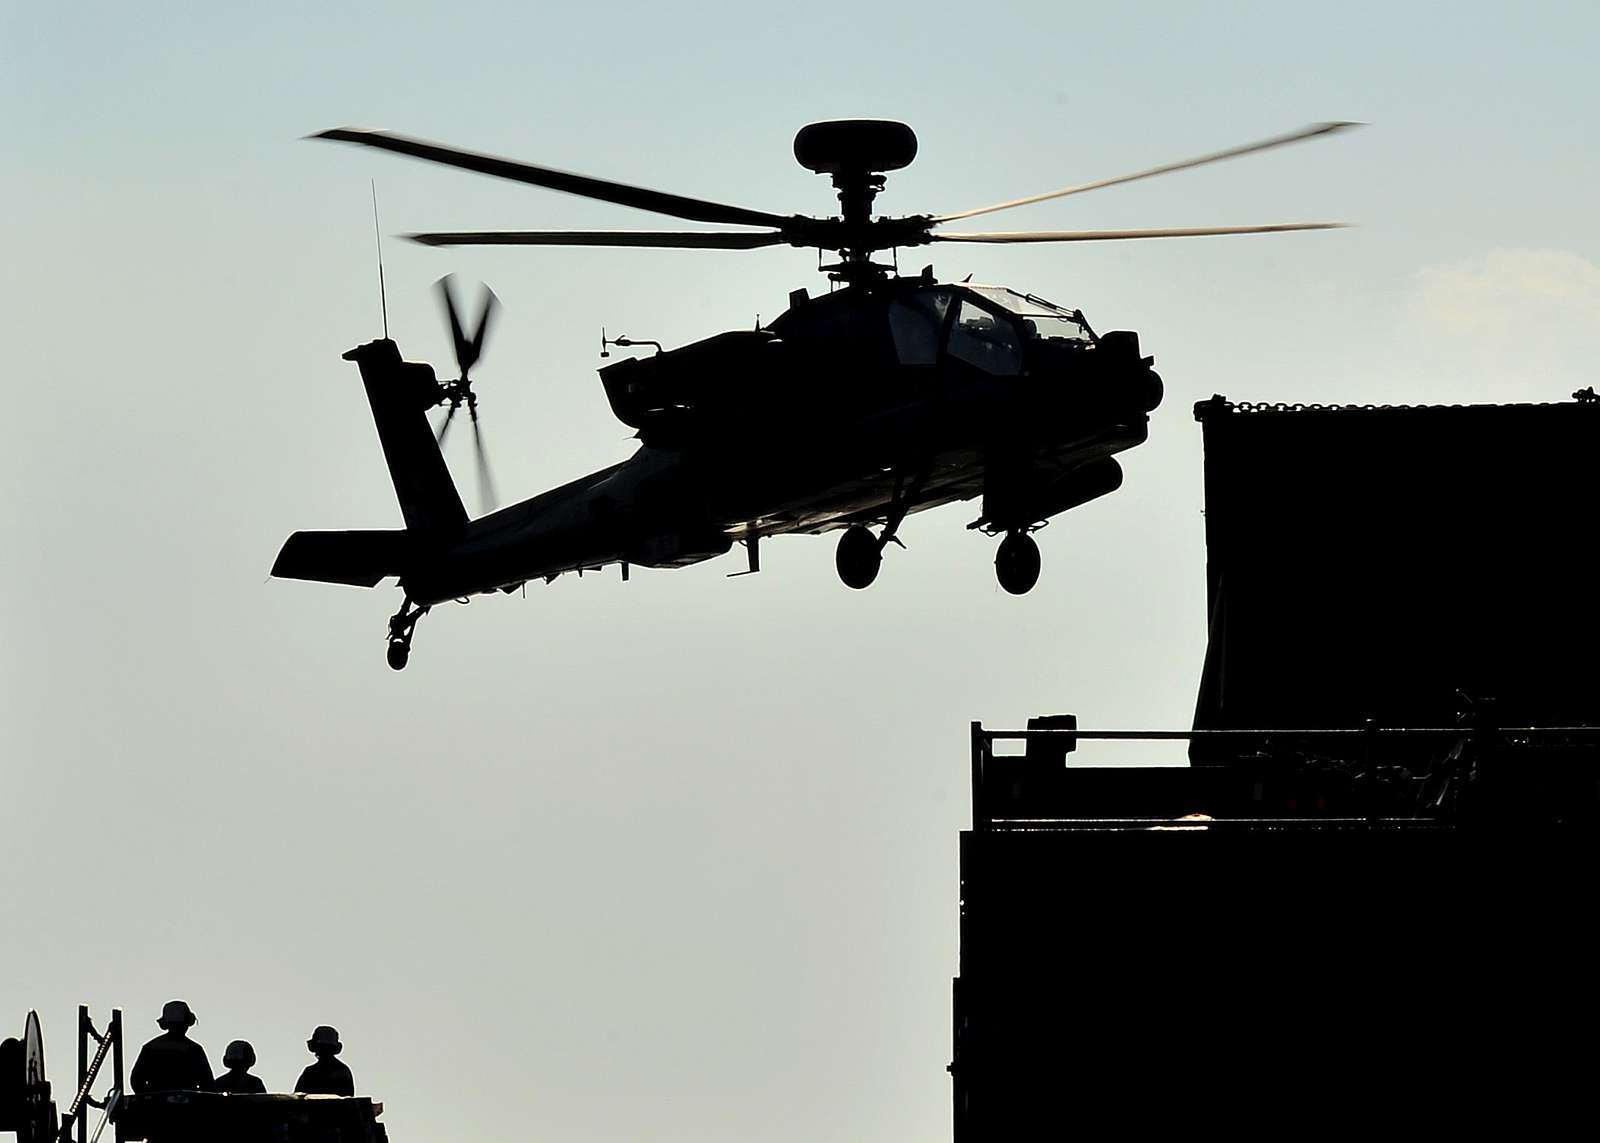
1529 317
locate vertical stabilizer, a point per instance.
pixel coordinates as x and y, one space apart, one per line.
400 393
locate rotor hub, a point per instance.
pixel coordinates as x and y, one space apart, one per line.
856 152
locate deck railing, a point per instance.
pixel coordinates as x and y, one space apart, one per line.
1050 744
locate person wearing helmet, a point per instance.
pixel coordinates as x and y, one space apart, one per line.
327 1076
239 1059
172 1061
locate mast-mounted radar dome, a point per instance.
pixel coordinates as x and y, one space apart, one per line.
841 146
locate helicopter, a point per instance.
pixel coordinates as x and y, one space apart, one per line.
888 395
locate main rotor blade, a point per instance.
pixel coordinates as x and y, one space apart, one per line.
1118 235
486 497
685 240
1217 156
678 206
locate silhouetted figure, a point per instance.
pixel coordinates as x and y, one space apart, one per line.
172 1061
239 1059
327 1076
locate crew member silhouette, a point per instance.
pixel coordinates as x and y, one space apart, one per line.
172 1061
327 1076
239 1059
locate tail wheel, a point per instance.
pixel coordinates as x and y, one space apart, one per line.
1016 563
858 558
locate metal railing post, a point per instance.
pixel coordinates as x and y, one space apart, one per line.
980 743
85 1030
114 1030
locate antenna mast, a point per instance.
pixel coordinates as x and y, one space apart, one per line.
377 236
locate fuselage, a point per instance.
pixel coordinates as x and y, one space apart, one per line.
899 395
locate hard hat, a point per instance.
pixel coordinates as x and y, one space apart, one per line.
239 1055
325 1039
176 1014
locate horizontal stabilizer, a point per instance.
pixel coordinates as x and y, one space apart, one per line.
360 559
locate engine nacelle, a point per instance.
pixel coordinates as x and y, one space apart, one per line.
699 380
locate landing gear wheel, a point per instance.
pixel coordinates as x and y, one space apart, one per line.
1016 563
402 625
858 558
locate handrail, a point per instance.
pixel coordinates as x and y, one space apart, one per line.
1289 731
1180 824
110 1041
84 1085
1479 732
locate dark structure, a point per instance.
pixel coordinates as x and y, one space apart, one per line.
1380 563
205 1117
26 1106
1366 905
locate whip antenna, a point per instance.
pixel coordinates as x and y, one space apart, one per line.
377 236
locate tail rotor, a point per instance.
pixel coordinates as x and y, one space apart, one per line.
459 391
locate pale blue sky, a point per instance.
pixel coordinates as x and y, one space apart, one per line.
677 858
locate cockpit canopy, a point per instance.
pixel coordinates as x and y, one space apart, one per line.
1040 320
842 339
989 327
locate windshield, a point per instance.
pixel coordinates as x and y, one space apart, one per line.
916 322
1039 318
986 340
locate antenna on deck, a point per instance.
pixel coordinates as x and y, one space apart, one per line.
377 235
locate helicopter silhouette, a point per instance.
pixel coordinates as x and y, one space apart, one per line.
886 396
